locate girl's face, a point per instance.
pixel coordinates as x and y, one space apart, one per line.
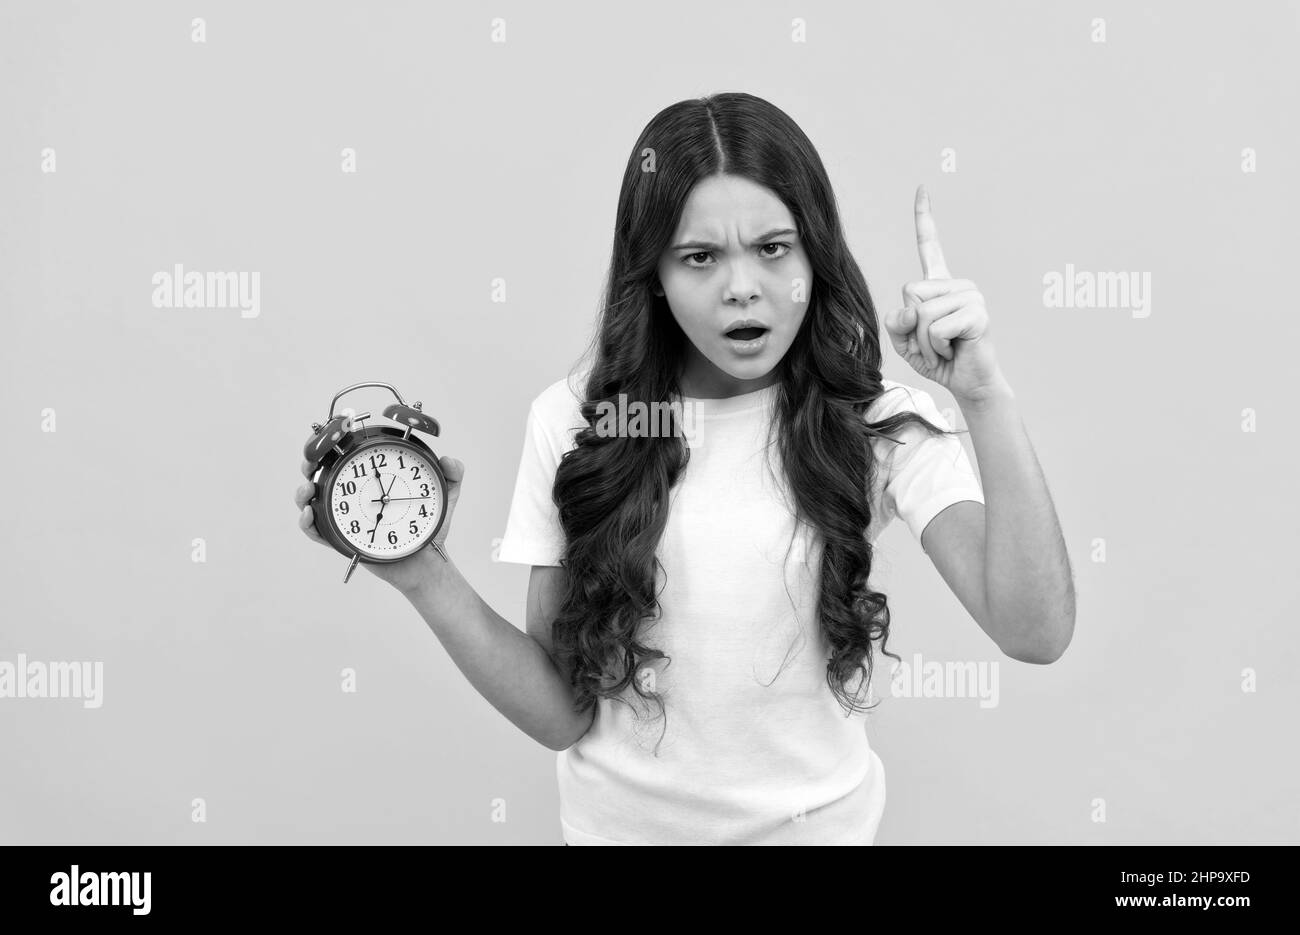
735 257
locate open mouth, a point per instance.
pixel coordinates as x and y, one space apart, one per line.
746 334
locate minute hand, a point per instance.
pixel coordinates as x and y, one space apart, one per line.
393 499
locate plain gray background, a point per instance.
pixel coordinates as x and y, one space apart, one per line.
478 160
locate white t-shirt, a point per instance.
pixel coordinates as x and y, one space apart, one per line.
756 749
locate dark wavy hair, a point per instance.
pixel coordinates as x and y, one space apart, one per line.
613 492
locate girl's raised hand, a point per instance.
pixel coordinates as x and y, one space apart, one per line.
942 330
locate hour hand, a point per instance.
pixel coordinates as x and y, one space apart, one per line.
383 494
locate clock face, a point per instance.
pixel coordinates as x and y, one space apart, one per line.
386 500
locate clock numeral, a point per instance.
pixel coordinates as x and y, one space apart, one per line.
423 511
359 469
383 460
355 526
414 528
425 488
343 507
347 487
400 462
372 534
392 538
416 475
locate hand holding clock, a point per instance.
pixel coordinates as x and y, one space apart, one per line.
410 572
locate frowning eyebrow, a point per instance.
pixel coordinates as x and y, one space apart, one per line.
761 238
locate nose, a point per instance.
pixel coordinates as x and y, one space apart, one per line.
742 285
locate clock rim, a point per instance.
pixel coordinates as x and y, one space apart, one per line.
330 468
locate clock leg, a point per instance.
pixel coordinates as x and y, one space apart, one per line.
351 568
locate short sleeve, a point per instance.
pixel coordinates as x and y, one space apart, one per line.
533 533
930 472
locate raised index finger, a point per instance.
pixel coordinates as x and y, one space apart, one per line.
927 239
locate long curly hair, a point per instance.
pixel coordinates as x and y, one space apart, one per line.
613 492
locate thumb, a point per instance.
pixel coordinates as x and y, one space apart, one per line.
900 323
454 472
452 469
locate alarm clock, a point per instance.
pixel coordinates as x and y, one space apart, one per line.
380 492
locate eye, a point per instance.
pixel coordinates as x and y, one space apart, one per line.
783 247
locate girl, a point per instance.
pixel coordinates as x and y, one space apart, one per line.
700 624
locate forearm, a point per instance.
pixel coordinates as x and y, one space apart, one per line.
505 665
1028 585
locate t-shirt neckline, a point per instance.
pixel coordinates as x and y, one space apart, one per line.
742 402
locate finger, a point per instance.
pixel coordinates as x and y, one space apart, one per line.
942 346
938 309
922 290
950 302
900 324
307 468
307 523
927 239
965 324
924 319
303 495
452 469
